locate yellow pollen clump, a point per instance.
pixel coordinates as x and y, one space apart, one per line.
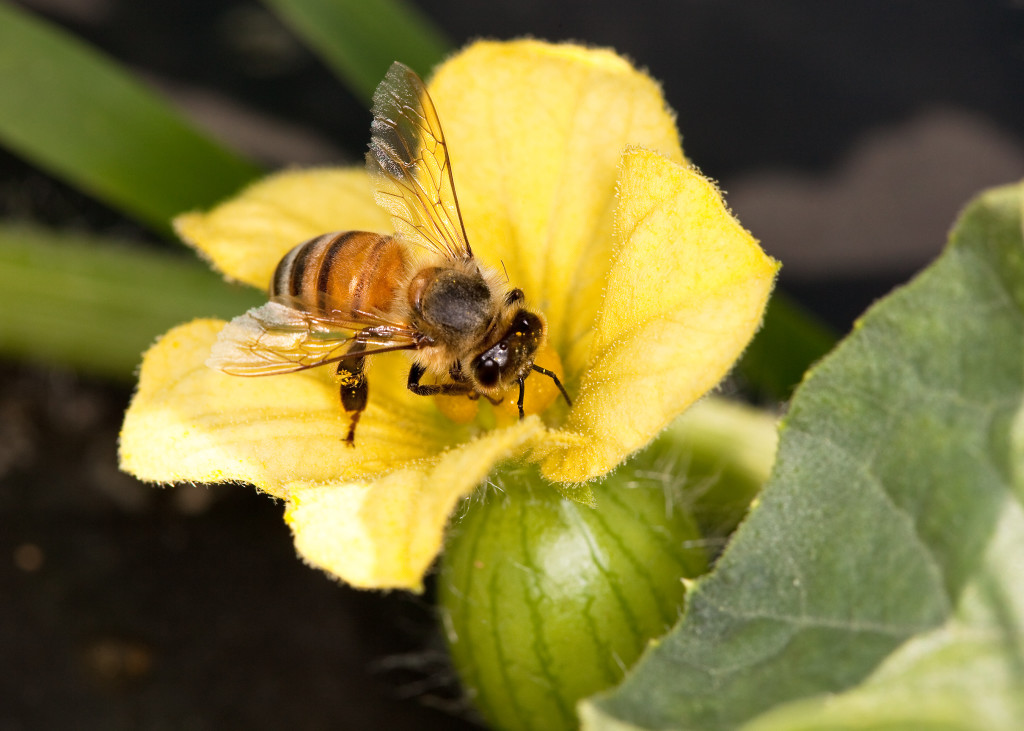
459 409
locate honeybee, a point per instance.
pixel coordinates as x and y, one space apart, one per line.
344 296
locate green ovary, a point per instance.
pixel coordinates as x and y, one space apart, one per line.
547 601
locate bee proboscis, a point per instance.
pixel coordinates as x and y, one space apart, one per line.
345 296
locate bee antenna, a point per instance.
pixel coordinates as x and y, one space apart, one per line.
554 378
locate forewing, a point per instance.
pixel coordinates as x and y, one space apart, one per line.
329 315
276 338
408 161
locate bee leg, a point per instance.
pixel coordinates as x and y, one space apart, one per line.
447 389
354 388
522 393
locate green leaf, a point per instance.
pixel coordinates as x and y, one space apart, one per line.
85 303
789 342
966 674
884 556
74 113
360 39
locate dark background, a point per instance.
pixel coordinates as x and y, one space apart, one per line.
847 135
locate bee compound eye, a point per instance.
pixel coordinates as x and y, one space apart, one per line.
487 372
528 323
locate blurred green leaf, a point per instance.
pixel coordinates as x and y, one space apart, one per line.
724 450
82 302
788 343
360 39
75 113
884 556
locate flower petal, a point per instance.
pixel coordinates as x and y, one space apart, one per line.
246 236
190 423
385 534
535 132
685 295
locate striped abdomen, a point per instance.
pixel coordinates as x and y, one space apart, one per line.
349 272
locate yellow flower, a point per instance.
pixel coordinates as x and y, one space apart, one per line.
570 175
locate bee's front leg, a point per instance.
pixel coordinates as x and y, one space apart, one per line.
354 388
446 389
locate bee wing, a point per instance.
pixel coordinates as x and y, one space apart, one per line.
330 315
408 161
275 338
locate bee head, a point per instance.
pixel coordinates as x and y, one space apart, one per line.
511 357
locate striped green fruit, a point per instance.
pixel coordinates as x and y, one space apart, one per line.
546 601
